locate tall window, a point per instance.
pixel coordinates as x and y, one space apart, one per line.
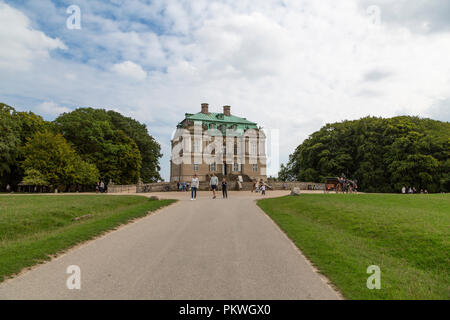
255 168
212 167
195 166
236 167
254 149
196 146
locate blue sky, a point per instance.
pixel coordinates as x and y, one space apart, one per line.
288 65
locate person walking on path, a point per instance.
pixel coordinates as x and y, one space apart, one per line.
102 187
214 182
194 186
224 189
263 189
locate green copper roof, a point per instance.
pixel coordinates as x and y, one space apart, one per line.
220 118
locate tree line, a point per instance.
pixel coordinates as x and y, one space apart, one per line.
78 148
381 154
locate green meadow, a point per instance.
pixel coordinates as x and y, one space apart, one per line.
407 236
34 228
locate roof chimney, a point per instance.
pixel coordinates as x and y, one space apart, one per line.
227 111
205 107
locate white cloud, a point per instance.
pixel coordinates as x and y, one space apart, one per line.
21 45
130 69
52 109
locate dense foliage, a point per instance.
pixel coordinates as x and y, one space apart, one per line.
150 150
95 138
15 128
382 154
50 158
78 148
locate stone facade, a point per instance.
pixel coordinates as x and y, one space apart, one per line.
219 143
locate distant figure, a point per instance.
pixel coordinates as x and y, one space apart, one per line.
284 186
410 190
224 189
403 189
178 185
214 182
187 186
183 186
8 188
261 183
102 186
426 191
254 188
414 190
97 187
263 189
194 186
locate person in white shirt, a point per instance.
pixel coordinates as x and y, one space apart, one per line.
194 186
214 182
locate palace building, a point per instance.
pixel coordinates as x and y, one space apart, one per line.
220 143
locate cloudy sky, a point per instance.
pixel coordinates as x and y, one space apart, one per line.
291 66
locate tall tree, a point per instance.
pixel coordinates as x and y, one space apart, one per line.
97 140
15 129
149 148
50 158
9 139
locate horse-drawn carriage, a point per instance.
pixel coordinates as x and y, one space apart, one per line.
341 184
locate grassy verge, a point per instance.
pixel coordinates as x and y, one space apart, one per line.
407 236
33 228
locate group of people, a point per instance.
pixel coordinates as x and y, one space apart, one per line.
259 186
100 187
409 190
183 186
214 186
347 185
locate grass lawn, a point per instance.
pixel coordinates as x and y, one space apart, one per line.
32 228
407 236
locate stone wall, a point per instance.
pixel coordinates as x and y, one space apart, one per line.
204 186
301 185
122 188
289 185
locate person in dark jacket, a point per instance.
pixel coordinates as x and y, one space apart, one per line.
224 188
